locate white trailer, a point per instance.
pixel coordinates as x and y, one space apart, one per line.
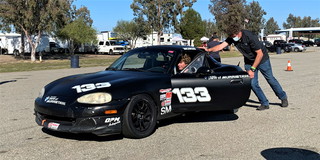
272 37
10 43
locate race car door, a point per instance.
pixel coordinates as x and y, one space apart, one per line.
228 87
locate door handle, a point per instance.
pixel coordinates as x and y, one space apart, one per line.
237 81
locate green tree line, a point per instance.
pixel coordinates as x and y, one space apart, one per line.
60 18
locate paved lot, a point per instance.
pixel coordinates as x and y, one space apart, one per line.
277 133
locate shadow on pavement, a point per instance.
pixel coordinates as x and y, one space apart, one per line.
3 82
186 118
192 117
290 154
82 136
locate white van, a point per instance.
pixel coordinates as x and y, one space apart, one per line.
110 47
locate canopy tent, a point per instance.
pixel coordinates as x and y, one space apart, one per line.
178 39
204 39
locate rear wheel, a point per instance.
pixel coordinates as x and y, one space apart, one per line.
139 119
296 49
111 52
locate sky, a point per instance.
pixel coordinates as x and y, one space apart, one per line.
106 13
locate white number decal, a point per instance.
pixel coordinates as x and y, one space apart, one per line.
90 86
189 95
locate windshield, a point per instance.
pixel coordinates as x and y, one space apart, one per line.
144 60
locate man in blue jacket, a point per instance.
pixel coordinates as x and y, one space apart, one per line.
256 59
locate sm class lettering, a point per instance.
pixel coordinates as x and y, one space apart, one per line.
191 95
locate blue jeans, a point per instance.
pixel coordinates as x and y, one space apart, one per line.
266 70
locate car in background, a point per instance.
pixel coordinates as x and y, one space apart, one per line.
308 43
297 47
299 41
284 47
317 42
138 89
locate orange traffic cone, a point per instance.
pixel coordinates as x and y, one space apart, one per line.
289 68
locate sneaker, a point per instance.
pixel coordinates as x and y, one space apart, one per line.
284 103
262 107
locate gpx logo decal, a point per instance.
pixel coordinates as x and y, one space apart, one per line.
112 121
190 95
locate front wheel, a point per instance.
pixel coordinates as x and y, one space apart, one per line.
139 118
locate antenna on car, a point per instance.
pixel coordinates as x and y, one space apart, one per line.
238 63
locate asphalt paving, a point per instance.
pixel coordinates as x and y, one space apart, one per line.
291 133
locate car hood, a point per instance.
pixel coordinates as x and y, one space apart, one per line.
104 81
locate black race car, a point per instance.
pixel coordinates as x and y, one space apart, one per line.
138 89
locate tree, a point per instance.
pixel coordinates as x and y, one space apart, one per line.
271 26
227 12
78 29
35 17
292 22
78 32
160 14
210 28
132 30
254 20
192 26
296 22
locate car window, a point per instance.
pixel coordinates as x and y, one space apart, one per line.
144 60
194 65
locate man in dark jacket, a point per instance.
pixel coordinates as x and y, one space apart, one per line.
256 59
213 41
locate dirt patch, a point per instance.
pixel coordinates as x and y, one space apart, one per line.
7 59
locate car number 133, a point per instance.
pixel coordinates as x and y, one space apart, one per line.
189 95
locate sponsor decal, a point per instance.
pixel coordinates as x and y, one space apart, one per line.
191 95
189 48
165 100
112 121
165 109
90 86
54 100
53 125
165 90
227 77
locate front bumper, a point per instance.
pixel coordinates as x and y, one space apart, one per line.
101 125
80 119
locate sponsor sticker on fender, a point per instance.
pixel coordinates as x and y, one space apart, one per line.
165 100
53 125
54 100
112 121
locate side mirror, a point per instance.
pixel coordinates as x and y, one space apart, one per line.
204 71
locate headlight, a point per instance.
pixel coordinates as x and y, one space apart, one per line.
95 98
41 93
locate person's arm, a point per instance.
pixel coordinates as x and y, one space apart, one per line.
256 62
217 47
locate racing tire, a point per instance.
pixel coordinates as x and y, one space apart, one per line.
296 49
139 118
